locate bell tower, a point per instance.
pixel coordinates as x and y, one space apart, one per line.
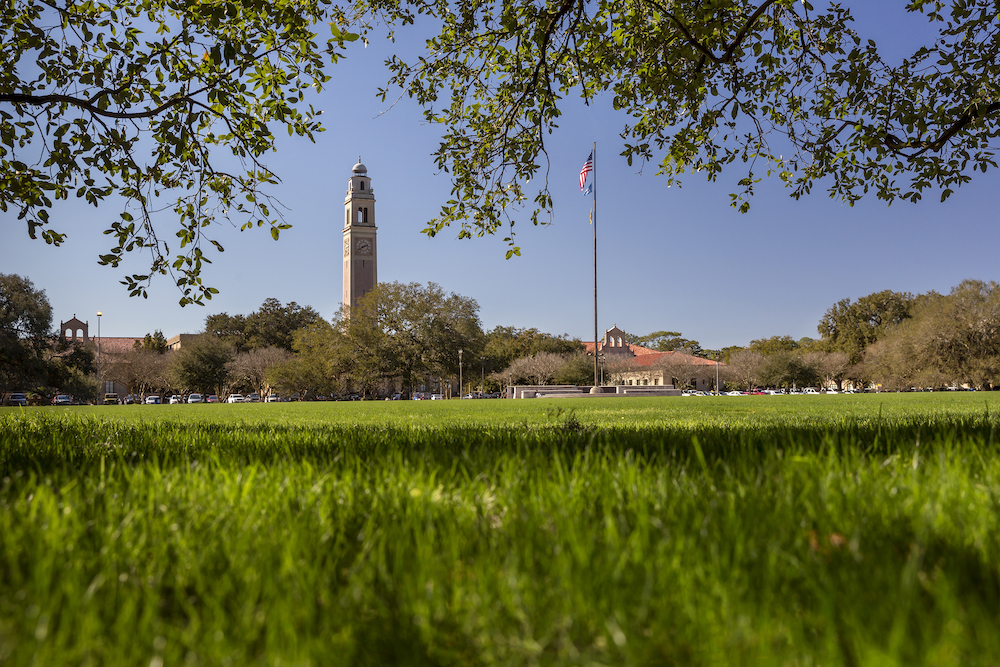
360 249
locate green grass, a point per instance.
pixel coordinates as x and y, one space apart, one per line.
853 530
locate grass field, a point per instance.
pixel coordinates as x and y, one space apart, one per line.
814 530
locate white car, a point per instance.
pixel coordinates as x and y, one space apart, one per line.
437 397
273 398
235 398
810 391
153 400
175 399
196 398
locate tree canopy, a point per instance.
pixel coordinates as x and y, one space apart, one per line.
851 327
169 107
272 325
778 87
25 330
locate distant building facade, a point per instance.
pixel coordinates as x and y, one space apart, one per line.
633 365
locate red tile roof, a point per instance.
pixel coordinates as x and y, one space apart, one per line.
115 345
647 357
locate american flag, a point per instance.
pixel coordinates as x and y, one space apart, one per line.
588 167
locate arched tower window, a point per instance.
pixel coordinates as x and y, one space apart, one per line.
366 214
362 185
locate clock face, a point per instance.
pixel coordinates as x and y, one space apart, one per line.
364 247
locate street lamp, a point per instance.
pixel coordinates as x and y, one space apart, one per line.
718 356
100 382
460 388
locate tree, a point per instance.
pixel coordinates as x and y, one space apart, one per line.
851 327
505 344
953 338
25 323
163 105
787 369
537 369
317 364
769 86
773 345
249 370
70 366
156 342
274 325
201 365
831 366
668 341
410 332
746 368
230 328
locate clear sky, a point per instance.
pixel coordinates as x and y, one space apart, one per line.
675 259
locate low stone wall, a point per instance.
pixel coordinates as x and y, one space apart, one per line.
583 391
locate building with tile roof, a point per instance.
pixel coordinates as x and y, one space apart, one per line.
625 364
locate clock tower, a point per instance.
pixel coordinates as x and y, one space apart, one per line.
360 249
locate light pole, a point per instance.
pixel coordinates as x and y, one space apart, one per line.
100 381
600 358
718 356
460 388
482 375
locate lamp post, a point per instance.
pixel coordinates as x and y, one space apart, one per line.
482 375
600 358
460 388
100 381
718 356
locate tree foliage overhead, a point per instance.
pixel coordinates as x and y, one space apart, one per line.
780 87
169 107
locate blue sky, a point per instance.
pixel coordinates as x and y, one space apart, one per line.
669 258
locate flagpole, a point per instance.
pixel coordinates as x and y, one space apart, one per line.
596 385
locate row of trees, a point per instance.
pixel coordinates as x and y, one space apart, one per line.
891 339
204 364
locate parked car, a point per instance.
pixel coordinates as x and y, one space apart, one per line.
196 398
233 398
811 391
153 400
212 398
272 398
437 397
16 398
252 398
62 399
175 399
110 398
